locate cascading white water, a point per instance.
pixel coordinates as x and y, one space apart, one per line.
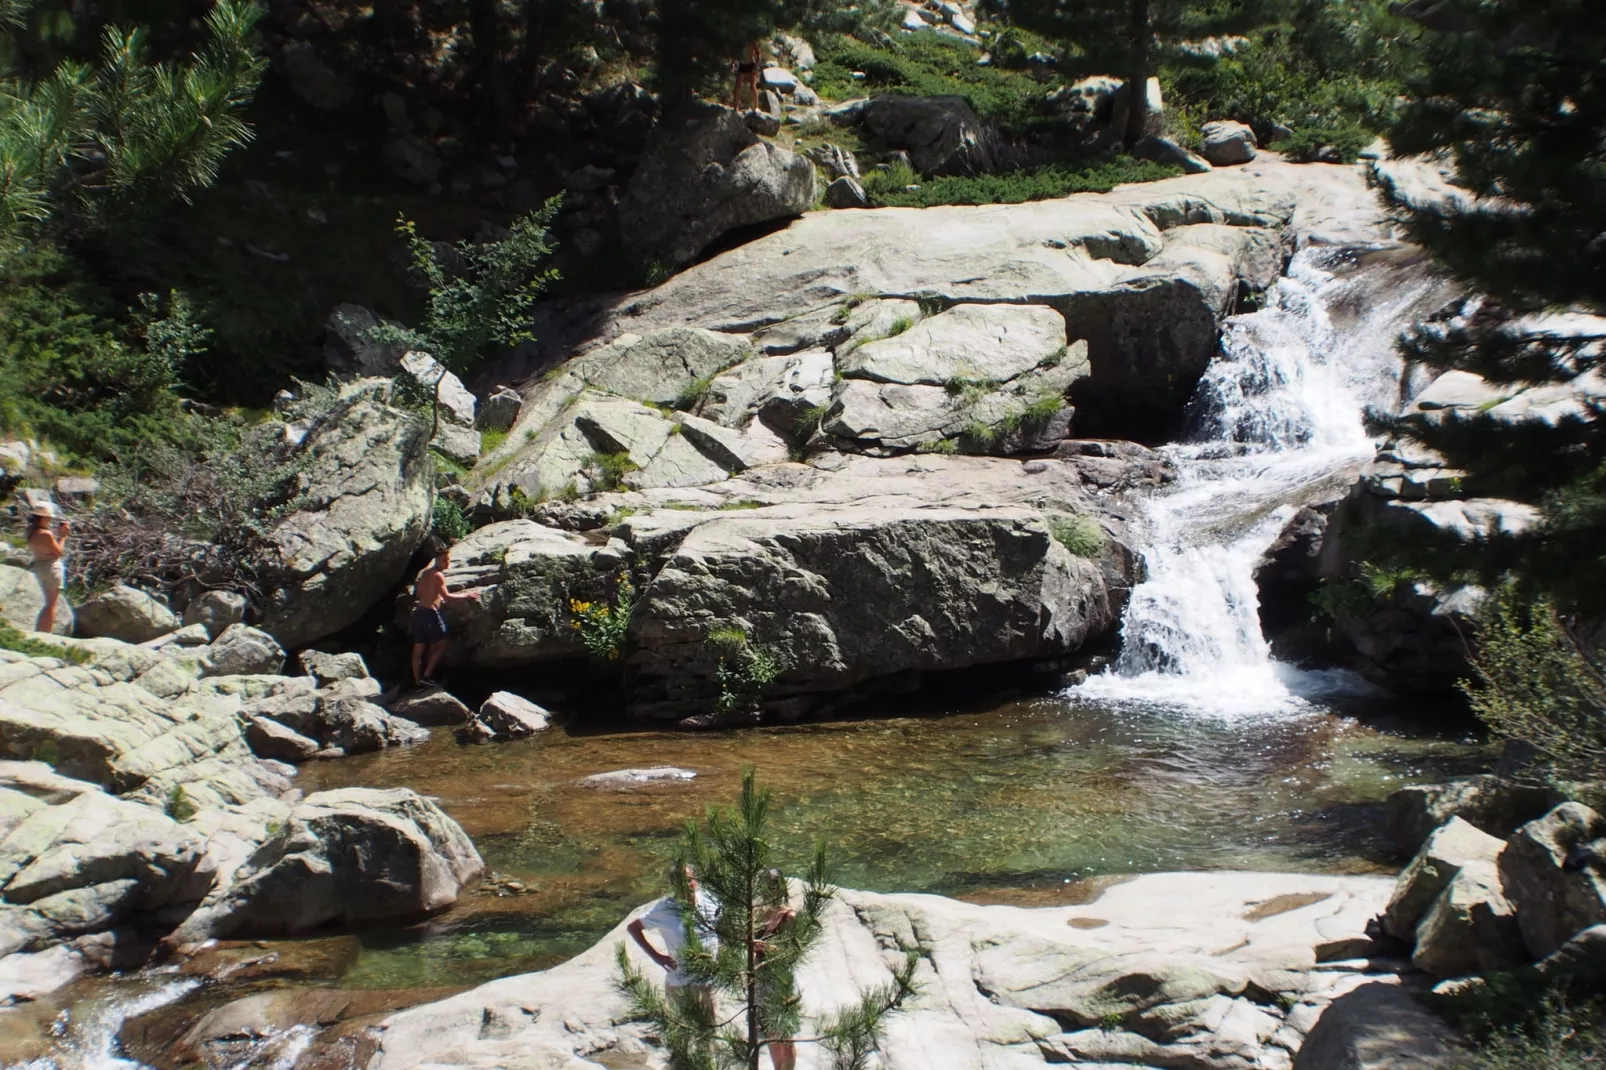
1277 418
92 1040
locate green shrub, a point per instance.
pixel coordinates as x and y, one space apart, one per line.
745 670
179 806
1536 682
1341 600
887 188
899 325
448 523
692 394
608 470
1081 535
928 64
1040 411
605 630
1561 1039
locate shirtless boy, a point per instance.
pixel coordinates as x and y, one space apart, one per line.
428 626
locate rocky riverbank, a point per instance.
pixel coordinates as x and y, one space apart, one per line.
136 816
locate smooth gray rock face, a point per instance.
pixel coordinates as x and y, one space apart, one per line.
1164 150
21 600
298 63
243 650
1551 871
703 176
347 351
624 779
92 863
215 611
368 507
942 134
501 410
510 716
127 614
433 706
660 366
1495 806
874 568
1227 143
967 342
96 724
326 668
456 402
1471 927
1452 846
270 739
1379 1027
347 856
1171 969
837 595
845 192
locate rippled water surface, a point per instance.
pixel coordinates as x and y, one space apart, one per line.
1004 804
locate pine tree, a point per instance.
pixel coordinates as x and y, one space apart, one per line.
1131 37
1514 94
96 145
755 964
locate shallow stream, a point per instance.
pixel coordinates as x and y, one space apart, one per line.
1195 751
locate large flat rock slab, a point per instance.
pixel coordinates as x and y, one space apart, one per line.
1187 969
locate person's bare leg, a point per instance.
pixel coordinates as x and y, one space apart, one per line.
783 1055
47 616
436 651
418 663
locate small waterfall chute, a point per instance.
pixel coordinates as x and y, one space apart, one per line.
1277 419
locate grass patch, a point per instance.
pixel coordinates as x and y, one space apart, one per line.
891 187
490 440
606 470
1081 535
927 65
1054 359
899 325
691 395
20 642
943 446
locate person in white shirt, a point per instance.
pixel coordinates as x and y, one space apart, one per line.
668 925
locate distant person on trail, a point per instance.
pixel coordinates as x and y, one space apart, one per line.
428 626
48 543
668 924
747 76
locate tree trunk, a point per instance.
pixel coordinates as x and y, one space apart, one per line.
483 27
752 975
1137 79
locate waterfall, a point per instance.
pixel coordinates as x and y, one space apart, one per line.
1276 421
91 1041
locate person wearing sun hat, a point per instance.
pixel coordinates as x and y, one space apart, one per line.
48 543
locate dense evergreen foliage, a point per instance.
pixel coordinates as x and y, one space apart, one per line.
741 944
1515 94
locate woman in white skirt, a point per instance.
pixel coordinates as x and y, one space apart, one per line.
48 542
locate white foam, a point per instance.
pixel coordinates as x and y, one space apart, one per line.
1277 418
